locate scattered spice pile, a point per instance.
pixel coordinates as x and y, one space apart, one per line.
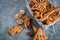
26 20
43 11
17 28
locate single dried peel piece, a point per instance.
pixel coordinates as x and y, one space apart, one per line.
19 21
36 14
22 12
34 1
34 28
17 16
30 34
27 21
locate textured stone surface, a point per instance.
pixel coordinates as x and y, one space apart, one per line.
10 7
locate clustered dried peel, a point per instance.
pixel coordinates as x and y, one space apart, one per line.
42 9
27 23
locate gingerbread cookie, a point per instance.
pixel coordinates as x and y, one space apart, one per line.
14 30
17 29
40 35
11 31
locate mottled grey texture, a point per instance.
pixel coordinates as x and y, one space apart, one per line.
8 8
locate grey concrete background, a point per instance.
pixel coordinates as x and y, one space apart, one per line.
8 8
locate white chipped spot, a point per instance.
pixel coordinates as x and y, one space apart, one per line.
15 0
6 5
54 29
0 7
